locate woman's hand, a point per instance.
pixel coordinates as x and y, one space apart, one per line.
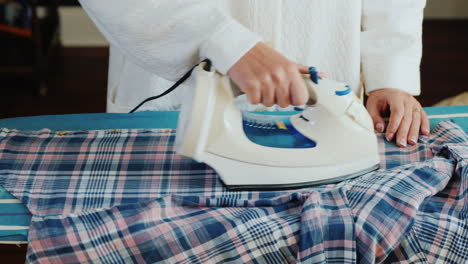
267 77
407 118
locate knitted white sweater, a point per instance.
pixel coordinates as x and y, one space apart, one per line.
153 41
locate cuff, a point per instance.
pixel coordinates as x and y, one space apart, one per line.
227 45
402 75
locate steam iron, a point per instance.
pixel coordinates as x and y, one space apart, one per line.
331 140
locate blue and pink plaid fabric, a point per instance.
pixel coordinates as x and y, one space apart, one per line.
123 196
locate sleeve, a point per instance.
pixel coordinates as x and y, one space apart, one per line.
391 44
169 37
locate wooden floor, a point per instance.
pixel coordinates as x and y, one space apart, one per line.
77 84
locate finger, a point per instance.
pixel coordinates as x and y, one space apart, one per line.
403 129
268 93
425 125
322 75
281 82
298 91
303 69
396 115
374 112
252 91
415 127
282 95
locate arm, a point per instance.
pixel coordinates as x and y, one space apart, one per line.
169 37
391 50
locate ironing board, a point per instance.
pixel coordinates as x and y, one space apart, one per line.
14 217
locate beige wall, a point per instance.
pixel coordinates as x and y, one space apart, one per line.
443 9
78 30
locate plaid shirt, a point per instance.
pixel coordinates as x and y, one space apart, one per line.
123 196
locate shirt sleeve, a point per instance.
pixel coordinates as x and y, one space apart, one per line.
391 44
169 37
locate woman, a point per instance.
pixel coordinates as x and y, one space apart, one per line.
154 42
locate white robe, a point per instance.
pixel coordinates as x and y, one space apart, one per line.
154 42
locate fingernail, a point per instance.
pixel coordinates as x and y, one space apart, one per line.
413 140
426 132
403 142
390 136
379 127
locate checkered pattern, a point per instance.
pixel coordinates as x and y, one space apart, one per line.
123 196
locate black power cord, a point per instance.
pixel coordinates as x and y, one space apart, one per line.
177 84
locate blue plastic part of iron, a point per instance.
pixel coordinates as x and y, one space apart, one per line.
344 92
314 75
299 109
263 130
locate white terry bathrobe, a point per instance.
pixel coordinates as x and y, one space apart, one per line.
154 42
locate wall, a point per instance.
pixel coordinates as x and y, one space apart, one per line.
447 9
78 30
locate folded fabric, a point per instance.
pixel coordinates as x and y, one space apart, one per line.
123 196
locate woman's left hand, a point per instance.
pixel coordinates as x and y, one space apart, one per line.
407 118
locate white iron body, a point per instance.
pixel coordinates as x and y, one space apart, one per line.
210 130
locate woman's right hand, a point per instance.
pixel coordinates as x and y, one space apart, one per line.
268 77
